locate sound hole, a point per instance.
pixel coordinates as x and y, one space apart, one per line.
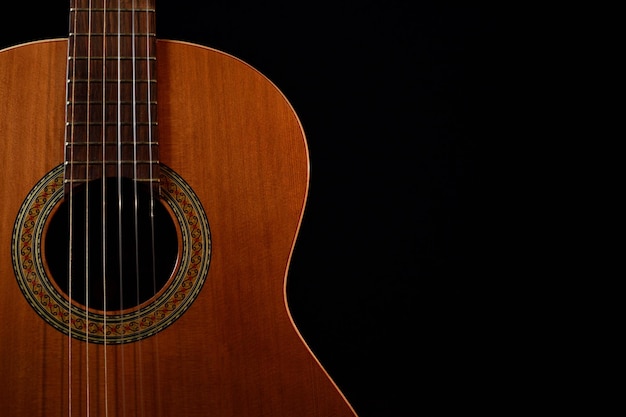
123 247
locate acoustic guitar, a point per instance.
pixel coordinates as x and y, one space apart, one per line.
145 243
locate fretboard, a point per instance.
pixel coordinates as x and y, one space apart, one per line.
111 92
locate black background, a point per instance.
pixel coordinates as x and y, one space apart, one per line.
399 101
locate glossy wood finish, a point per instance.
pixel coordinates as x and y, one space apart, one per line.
235 139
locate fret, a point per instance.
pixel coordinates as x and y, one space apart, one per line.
127 120
96 104
112 10
126 143
123 143
110 131
96 52
71 124
84 180
113 35
110 102
112 58
109 81
111 162
113 23
93 90
130 168
91 151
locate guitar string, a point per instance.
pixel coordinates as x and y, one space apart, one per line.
119 196
104 213
87 209
70 196
151 138
138 350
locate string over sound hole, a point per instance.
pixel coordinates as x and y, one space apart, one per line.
121 245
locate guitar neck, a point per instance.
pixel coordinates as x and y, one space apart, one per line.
112 93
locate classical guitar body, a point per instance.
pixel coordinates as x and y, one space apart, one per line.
216 337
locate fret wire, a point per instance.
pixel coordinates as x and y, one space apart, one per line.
110 10
82 180
70 124
123 143
113 58
95 162
138 34
97 81
96 102
110 103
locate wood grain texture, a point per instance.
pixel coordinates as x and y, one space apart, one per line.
232 135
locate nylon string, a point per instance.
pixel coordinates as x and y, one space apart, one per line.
104 215
87 260
135 182
70 196
119 184
151 139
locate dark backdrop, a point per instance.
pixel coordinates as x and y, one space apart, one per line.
397 99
